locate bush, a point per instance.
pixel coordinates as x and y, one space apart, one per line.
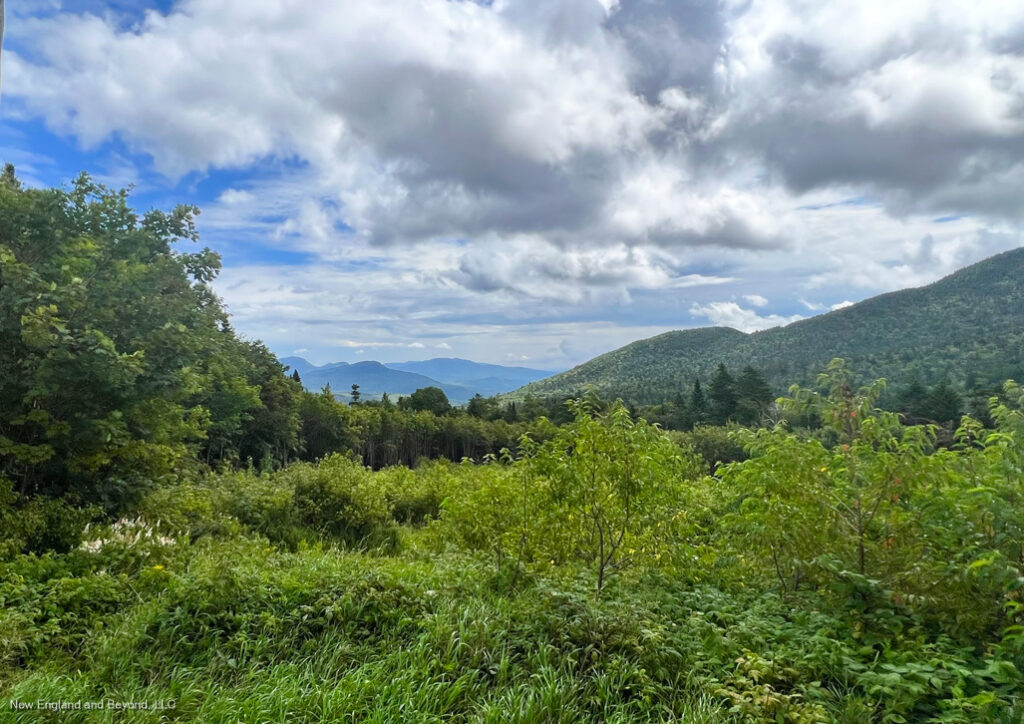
40 524
414 496
338 498
714 444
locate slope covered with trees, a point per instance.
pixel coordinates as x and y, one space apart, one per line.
966 329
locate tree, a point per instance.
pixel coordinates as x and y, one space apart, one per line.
697 410
911 402
753 395
611 482
355 394
119 365
270 432
942 404
296 377
427 399
723 396
326 425
807 507
484 408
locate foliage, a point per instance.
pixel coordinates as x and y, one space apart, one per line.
120 368
605 490
427 399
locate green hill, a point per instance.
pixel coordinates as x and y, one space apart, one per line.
967 328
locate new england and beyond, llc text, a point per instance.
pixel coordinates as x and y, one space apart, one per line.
99 705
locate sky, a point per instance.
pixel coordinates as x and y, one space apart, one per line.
536 182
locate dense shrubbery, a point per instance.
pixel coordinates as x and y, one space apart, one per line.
863 575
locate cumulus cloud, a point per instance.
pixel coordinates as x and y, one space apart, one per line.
528 161
731 314
924 107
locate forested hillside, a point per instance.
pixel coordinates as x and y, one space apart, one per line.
967 329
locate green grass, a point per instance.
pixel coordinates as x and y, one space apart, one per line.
240 633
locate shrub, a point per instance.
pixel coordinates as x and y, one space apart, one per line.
414 496
338 498
40 524
715 445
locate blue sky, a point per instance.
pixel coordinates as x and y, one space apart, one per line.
535 182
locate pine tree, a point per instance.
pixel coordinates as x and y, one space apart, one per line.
723 396
697 412
943 404
753 395
912 402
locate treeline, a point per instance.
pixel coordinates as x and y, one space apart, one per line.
120 368
423 425
745 398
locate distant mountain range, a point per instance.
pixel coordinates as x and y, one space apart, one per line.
967 328
459 378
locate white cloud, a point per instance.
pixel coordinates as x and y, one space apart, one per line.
730 314
531 171
841 305
235 197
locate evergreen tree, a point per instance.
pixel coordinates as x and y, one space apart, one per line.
912 402
355 394
295 376
697 410
676 413
723 396
476 406
753 395
943 404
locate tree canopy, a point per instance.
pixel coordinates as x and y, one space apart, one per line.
119 364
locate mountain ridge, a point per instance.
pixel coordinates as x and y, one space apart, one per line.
459 378
967 328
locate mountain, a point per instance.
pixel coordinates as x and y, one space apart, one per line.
967 328
487 379
460 379
374 379
298 364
